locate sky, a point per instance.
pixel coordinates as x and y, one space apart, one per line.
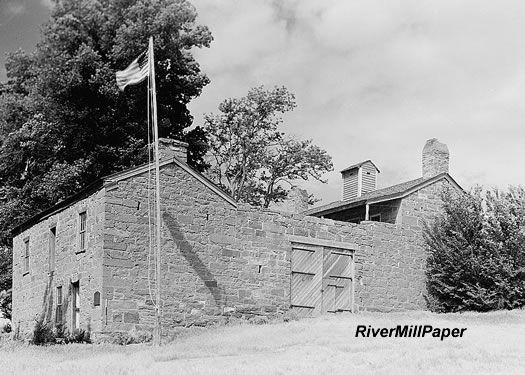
372 79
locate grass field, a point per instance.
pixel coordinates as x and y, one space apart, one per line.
493 343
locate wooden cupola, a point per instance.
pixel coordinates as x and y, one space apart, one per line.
359 179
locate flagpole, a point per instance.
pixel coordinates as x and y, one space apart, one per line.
157 332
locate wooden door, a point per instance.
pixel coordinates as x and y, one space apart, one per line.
306 279
321 280
338 269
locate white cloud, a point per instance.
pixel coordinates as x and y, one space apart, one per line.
47 3
375 79
14 8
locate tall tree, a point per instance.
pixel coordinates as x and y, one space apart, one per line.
63 121
250 157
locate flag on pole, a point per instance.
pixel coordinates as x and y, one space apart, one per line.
142 67
135 73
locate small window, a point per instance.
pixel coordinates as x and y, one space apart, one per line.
82 231
96 299
59 314
52 242
26 255
375 217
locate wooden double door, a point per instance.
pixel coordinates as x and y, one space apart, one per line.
322 279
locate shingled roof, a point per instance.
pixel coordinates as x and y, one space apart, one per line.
380 195
360 164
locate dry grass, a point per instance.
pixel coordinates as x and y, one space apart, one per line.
493 343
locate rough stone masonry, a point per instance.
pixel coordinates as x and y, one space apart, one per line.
219 259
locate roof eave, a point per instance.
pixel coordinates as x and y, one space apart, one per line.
111 180
358 165
415 188
60 206
321 212
402 194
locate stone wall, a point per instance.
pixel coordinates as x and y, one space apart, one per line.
396 259
391 268
218 260
421 206
34 292
211 264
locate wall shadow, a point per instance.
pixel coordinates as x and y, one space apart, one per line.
47 303
187 251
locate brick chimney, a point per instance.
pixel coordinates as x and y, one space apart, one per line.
435 158
169 148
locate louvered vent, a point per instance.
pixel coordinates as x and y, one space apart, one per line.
359 179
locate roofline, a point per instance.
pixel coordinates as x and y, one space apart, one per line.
358 165
111 180
60 206
417 187
119 176
316 212
403 194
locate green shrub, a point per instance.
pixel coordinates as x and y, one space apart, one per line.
5 328
5 303
477 252
79 336
132 337
42 333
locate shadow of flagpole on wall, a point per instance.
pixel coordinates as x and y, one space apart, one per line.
47 303
187 251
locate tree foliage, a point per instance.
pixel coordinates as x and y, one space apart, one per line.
250 157
477 251
6 257
63 121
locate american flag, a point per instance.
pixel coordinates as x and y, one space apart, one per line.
135 73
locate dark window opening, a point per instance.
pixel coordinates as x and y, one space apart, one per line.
52 243
82 231
96 299
26 255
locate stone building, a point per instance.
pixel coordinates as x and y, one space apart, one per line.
86 262
405 203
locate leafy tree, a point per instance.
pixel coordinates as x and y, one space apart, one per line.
250 157
477 251
63 121
6 257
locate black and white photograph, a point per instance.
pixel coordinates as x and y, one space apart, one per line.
262 187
